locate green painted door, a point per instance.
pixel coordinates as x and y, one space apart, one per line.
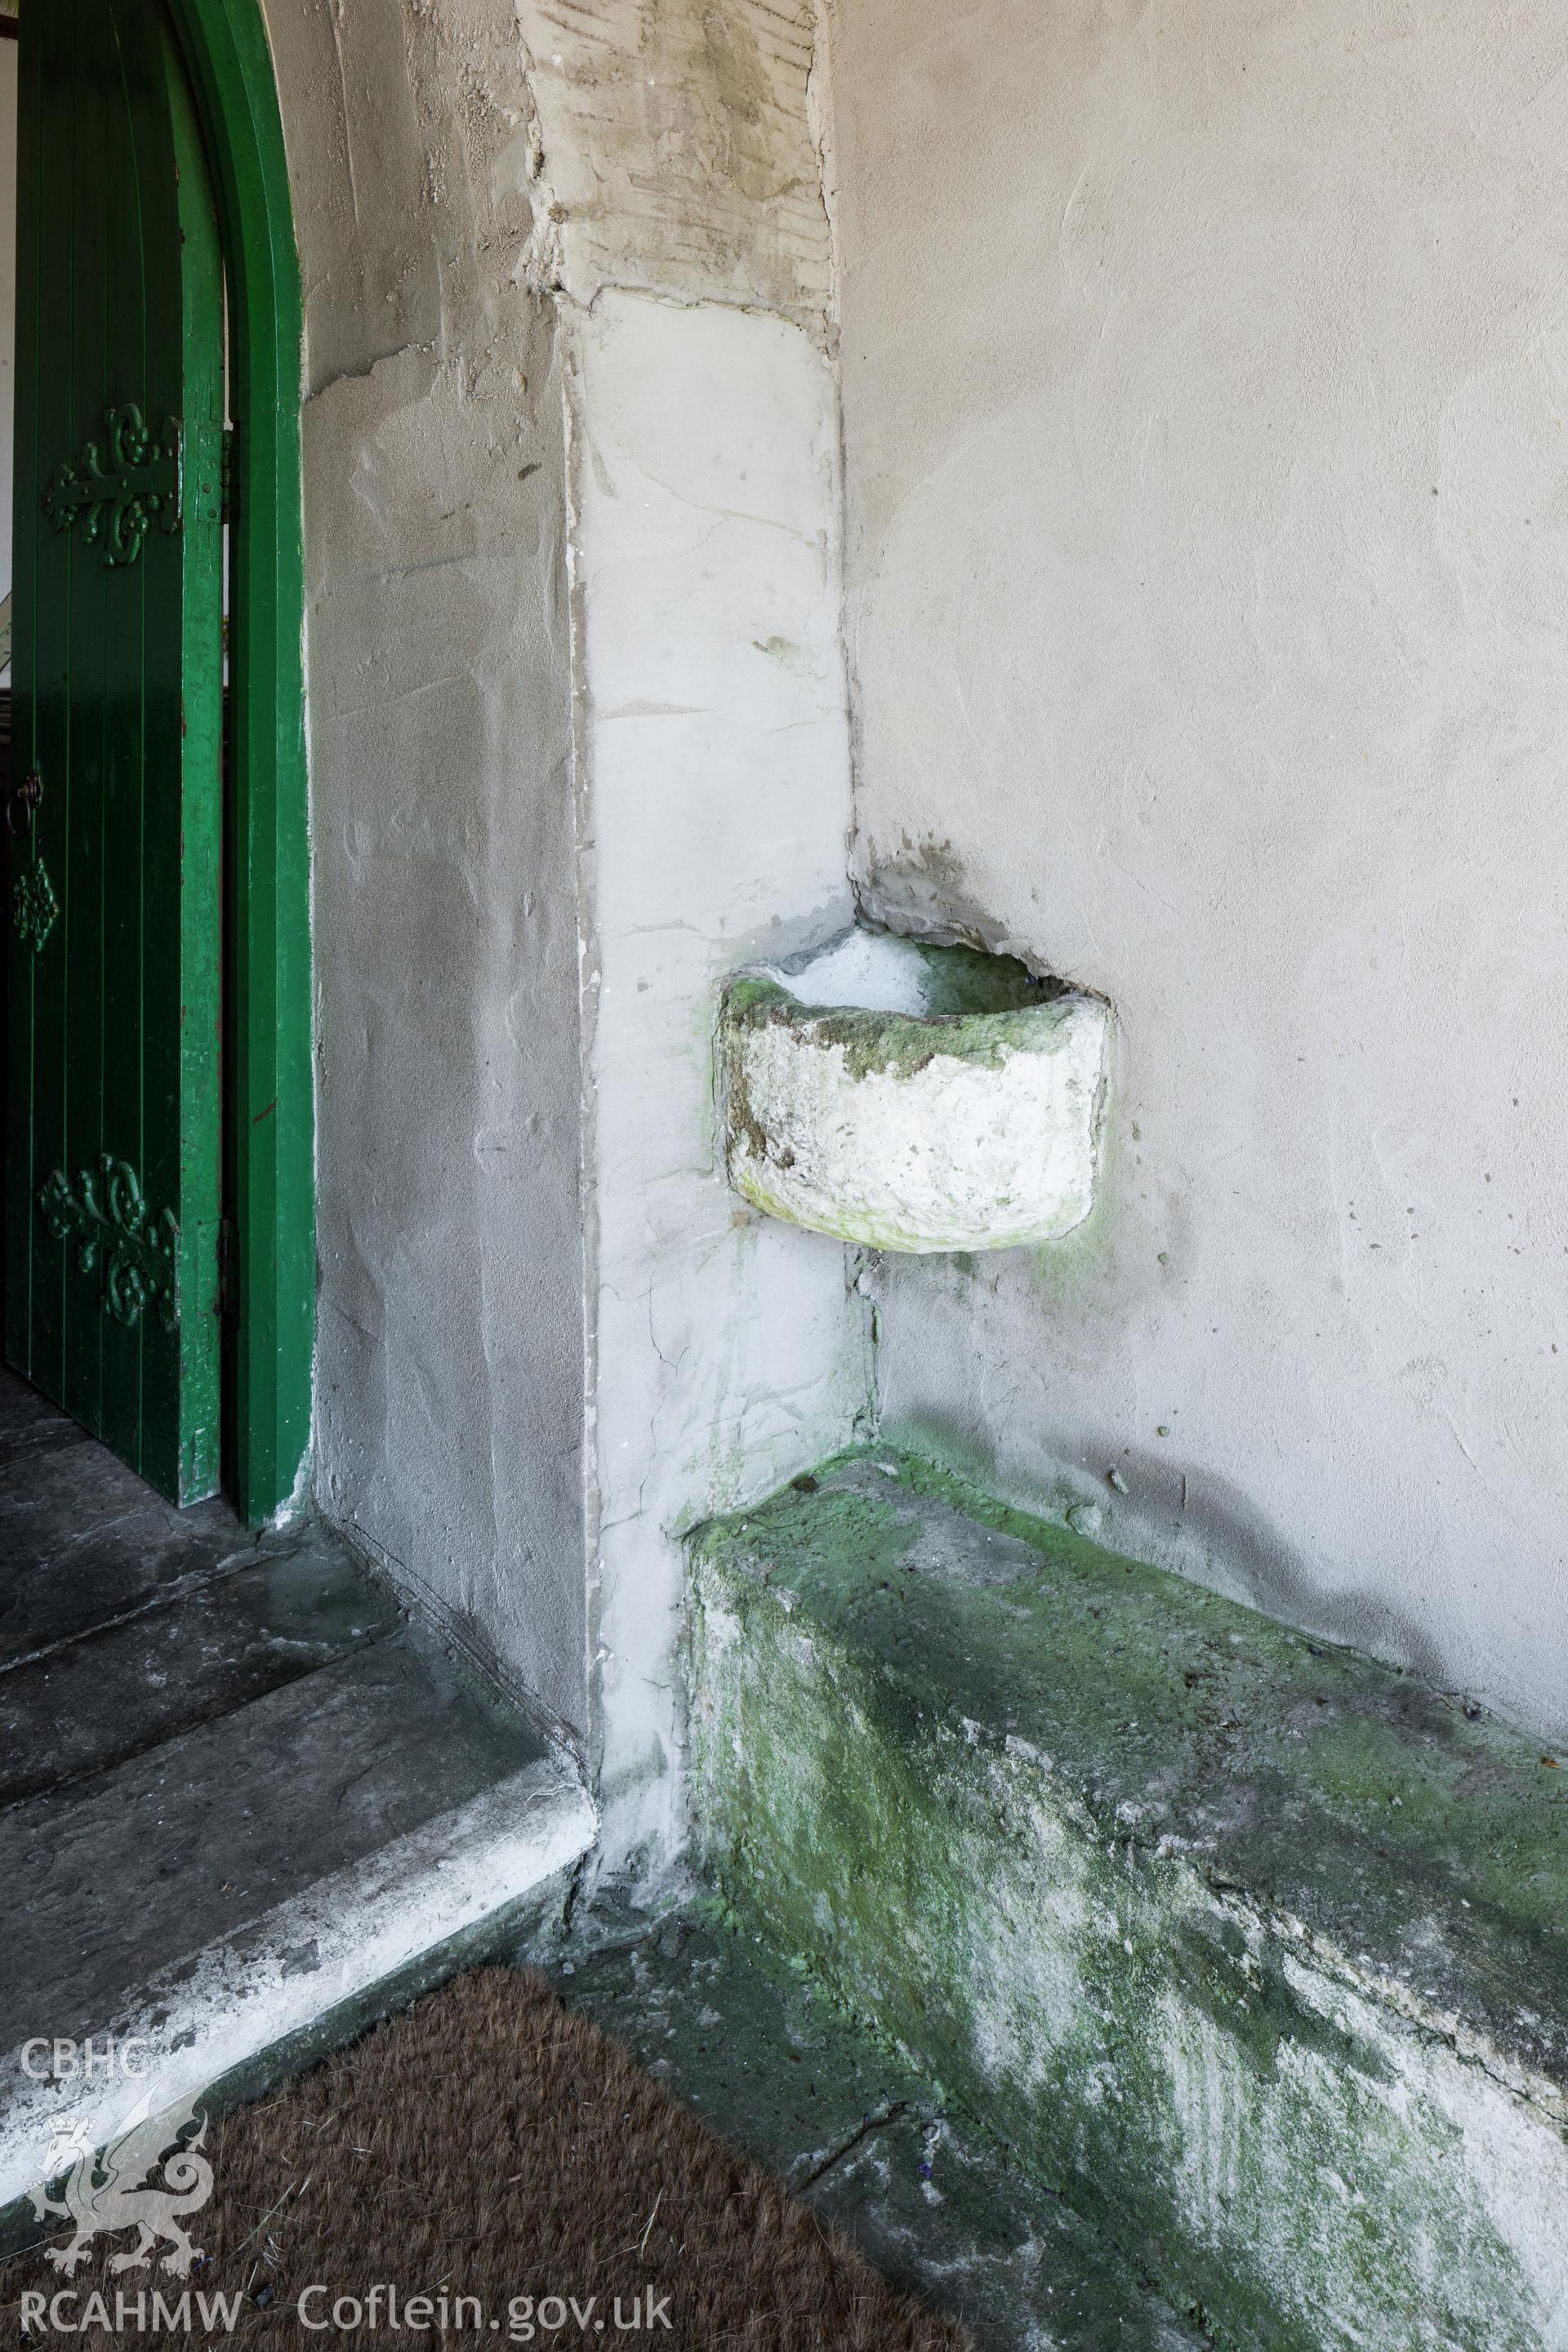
112 912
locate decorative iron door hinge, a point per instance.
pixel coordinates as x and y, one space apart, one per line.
120 502
141 1251
34 905
227 1269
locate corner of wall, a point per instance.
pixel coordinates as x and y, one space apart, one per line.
711 756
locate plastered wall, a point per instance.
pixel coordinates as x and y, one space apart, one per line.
450 1385
681 231
579 743
728 1350
676 148
1203 389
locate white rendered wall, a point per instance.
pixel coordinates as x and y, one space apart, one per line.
1205 378
679 228
579 743
728 1349
449 1377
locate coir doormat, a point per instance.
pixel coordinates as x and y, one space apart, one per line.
486 2169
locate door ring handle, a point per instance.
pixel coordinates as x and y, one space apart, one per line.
21 804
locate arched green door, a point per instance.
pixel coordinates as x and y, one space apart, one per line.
114 1148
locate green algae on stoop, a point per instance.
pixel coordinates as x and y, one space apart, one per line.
1253 1946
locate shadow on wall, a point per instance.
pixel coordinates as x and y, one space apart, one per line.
1203 1528
1197 1524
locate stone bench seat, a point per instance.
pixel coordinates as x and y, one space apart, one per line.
1257 1949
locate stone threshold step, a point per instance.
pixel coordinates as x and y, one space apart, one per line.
104 1694
244 1895
1257 1951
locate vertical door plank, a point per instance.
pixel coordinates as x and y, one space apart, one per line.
183 785
126 1422
20 965
57 35
201 789
89 617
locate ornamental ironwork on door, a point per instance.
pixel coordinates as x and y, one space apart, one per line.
140 1254
117 502
34 905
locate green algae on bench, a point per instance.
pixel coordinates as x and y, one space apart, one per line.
1257 1946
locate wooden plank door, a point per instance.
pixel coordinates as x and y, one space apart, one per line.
113 905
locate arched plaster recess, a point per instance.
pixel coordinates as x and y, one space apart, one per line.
449 1401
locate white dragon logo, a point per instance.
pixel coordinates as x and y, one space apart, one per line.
119 2198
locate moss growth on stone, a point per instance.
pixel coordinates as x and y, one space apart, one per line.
951 979
969 980
1255 1948
900 1043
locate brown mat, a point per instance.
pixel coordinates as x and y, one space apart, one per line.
492 2146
